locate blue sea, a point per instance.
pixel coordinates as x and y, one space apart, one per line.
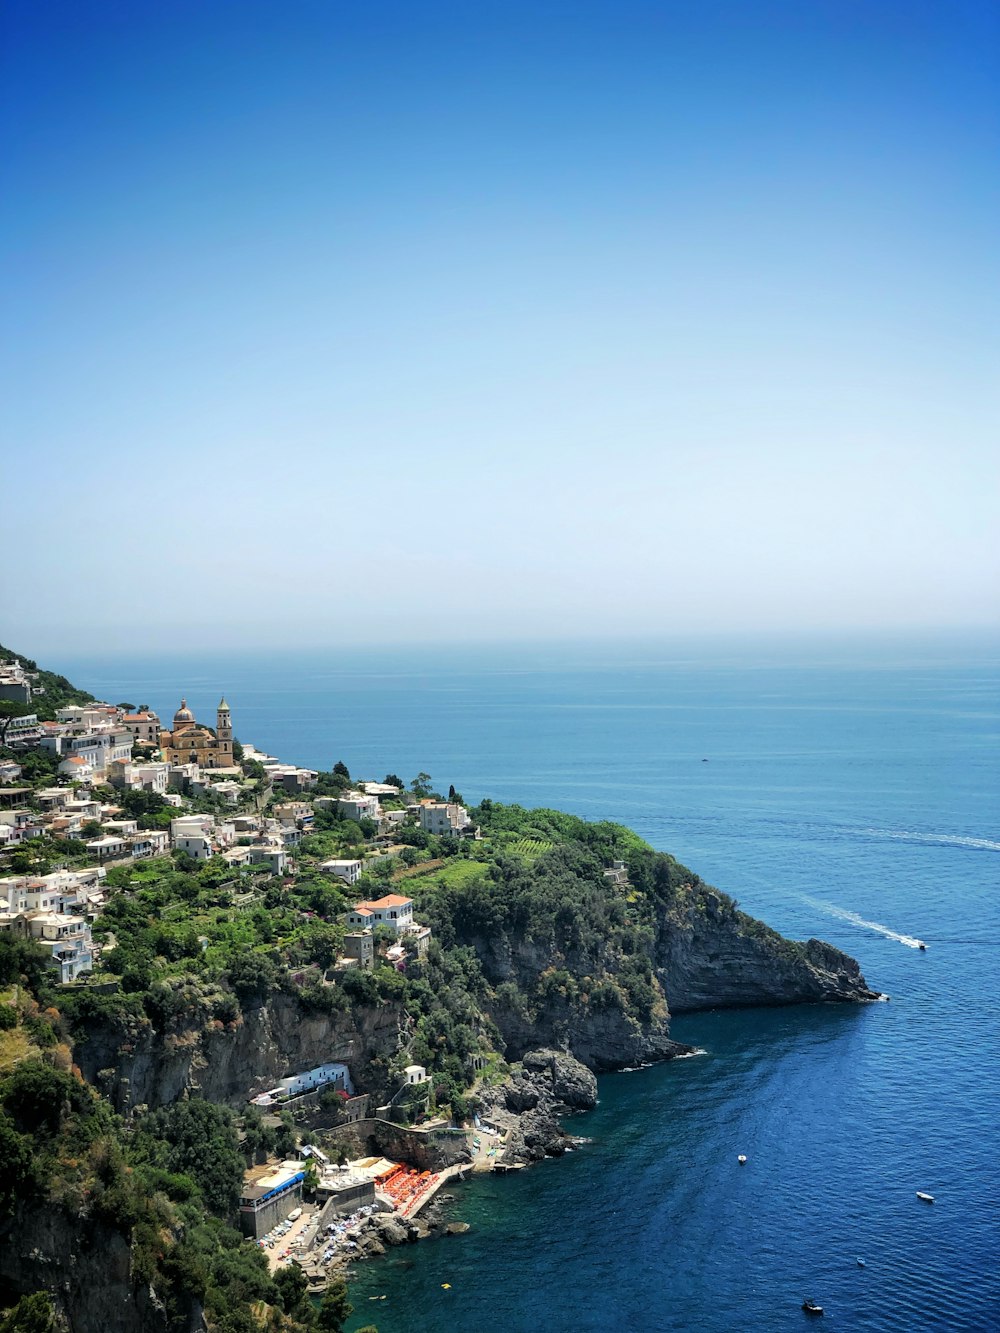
850 792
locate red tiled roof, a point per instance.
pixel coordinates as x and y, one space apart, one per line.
390 900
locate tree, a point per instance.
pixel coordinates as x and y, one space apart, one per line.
17 1177
32 1314
252 977
293 1292
341 769
391 780
421 786
197 1139
335 1309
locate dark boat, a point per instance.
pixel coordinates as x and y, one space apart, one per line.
811 1307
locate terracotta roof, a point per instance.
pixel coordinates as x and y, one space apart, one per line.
390 900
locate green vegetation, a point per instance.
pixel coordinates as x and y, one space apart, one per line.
58 690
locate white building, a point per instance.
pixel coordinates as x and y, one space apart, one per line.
109 848
275 858
443 817
98 748
358 805
393 911
196 845
296 1084
348 871
68 940
149 842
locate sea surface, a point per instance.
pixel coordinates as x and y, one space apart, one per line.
848 791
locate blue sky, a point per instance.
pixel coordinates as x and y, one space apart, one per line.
331 324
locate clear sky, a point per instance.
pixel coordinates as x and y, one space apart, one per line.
330 323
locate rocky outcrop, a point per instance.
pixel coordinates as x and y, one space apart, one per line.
231 1062
530 1102
709 955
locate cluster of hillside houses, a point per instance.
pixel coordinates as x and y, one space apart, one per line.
99 745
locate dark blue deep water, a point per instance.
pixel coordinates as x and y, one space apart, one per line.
852 795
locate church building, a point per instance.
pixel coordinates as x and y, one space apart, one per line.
190 743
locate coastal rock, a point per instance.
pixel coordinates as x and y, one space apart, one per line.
528 1104
456 1228
572 1083
391 1230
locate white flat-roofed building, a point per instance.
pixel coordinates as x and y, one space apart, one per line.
68 940
269 1194
348 871
443 817
149 842
196 845
358 805
381 789
109 848
121 828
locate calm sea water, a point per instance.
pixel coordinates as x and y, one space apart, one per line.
851 795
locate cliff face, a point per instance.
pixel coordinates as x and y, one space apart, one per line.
710 956
86 1266
705 954
233 1062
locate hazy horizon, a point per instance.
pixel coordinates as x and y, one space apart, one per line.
340 325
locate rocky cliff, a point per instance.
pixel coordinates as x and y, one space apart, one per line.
86 1265
709 955
698 951
142 1064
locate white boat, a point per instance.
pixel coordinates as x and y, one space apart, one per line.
925 1198
742 1159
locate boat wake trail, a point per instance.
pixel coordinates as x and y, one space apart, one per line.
930 839
854 919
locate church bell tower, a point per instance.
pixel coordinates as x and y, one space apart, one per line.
224 734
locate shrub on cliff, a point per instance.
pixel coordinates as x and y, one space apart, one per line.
196 1139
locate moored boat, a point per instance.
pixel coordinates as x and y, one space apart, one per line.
811 1307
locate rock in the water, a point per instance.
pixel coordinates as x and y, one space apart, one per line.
456 1228
391 1229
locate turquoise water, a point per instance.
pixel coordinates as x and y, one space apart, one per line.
854 798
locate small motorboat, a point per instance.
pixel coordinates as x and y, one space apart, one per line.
922 946
742 1159
811 1307
861 1262
925 1198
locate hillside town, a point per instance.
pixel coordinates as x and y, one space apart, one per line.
225 800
